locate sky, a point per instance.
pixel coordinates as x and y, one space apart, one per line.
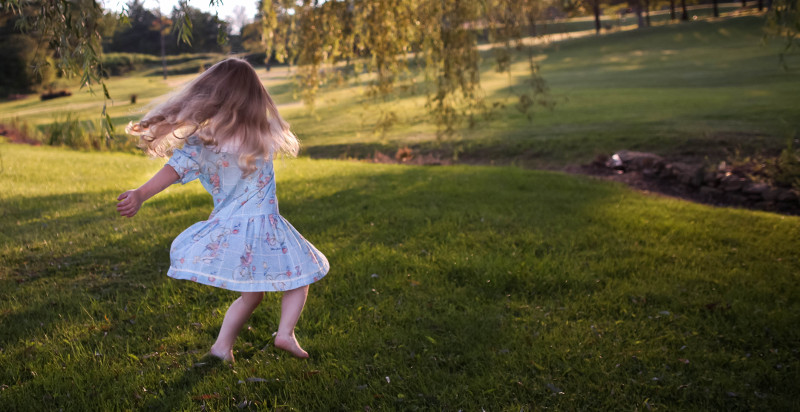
226 10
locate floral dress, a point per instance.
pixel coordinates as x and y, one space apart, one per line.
245 245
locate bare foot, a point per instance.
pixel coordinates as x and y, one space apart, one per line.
289 344
226 356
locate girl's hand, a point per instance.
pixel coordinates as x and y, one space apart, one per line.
130 203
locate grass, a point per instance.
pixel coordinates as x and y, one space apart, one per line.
708 88
451 288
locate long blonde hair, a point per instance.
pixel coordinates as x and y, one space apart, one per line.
226 106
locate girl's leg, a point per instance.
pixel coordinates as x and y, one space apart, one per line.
237 314
292 304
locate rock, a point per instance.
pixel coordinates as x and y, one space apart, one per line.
711 179
770 194
755 188
638 160
765 205
786 206
732 183
666 172
688 174
711 192
615 162
735 198
600 160
787 195
650 172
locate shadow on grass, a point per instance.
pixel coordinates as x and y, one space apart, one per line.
439 314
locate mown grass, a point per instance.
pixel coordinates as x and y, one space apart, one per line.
707 88
455 288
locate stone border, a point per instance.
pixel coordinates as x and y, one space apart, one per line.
722 184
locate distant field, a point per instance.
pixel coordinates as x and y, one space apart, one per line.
698 89
453 288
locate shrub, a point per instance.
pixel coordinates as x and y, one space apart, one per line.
73 132
785 169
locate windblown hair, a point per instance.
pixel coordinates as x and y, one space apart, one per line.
225 107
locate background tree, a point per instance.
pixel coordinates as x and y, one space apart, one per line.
784 22
139 33
208 32
187 30
17 51
388 37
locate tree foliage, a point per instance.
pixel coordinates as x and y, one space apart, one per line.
71 29
140 31
17 50
784 22
389 38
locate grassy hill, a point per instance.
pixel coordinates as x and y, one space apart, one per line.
451 288
705 88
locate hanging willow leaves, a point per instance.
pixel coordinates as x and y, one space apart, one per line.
392 39
69 27
784 22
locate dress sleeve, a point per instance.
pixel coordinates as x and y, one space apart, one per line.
185 161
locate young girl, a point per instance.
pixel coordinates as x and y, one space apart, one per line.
230 130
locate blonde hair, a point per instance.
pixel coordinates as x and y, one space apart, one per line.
226 106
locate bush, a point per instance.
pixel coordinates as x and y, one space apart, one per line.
117 64
74 133
785 170
17 75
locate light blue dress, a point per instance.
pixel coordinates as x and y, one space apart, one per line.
245 245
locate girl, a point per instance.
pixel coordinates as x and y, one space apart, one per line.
231 130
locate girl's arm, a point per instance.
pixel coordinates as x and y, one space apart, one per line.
132 200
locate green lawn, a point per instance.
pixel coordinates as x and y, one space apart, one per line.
699 89
453 288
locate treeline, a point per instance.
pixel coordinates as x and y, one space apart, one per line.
28 61
143 29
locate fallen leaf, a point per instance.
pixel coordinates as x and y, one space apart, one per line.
254 379
205 397
554 389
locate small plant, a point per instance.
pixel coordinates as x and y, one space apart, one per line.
785 169
74 133
24 131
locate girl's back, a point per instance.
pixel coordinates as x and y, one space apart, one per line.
245 245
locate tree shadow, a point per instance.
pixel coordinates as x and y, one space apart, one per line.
492 205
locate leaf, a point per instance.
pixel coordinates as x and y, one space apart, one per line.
255 379
554 389
206 396
134 357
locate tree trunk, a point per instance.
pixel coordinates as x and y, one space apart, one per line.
672 9
760 5
597 16
716 9
639 17
161 36
744 3
647 12
685 14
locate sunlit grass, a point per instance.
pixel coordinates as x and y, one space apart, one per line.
698 89
451 288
